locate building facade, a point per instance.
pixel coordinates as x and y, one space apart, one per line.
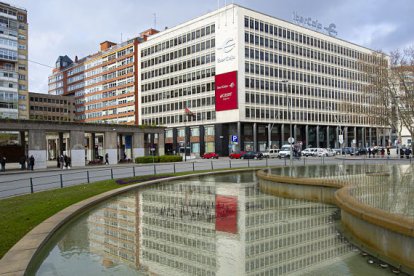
13 62
236 79
104 84
51 107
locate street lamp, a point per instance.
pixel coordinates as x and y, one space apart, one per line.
291 139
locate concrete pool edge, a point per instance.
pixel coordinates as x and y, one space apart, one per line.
390 236
19 258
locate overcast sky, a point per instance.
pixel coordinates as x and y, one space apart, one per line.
76 27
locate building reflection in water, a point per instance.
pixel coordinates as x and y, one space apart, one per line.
213 225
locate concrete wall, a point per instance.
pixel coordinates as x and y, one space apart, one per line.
388 236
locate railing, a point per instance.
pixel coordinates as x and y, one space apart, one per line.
66 178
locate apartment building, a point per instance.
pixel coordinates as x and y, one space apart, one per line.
104 84
13 62
47 107
236 79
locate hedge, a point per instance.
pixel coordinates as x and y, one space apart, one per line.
159 159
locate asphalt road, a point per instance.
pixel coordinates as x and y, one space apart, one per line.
16 182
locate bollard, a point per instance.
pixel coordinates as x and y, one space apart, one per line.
133 171
61 181
304 161
230 163
266 162
193 167
212 165
285 161
87 177
155 170
31 185
174 168
112 174
248 163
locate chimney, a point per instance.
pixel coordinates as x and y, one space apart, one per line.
106 45
76 59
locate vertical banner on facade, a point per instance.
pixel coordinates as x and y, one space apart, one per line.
226 214
226 91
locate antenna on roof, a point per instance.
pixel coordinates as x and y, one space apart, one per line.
155 21
121 37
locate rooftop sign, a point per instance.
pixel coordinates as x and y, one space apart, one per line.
315 24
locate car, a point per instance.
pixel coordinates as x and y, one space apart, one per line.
236 155
210 155
331 152
252 155
285 151
347 150
361 151
308 152
271 153
320 152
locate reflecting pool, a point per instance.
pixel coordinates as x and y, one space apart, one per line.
207 225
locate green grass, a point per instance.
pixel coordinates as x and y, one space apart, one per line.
19 215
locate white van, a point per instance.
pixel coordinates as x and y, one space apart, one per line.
285 151
271 153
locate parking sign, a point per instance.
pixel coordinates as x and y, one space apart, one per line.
234 139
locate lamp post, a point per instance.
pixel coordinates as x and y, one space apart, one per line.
291 139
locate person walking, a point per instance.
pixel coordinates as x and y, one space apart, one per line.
31 162
22 162
3 163
61 161
106 159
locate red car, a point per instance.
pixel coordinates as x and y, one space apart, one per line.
210 155
236 155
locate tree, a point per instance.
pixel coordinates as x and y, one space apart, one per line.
392 78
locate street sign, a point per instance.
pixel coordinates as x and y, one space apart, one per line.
341 139
291 140
234 139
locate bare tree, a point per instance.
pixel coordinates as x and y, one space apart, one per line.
391 77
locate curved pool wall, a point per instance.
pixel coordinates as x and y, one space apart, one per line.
158 234
20 257
384 233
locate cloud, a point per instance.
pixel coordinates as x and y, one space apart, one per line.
368 34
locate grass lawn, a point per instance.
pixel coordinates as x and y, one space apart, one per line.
19 215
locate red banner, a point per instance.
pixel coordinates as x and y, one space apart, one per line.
226 91
226 214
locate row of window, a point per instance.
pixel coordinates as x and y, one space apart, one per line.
305 116
268 28
302 64
201 116
178 93
48 100
195 34
49 109
186 51
194 103
186 77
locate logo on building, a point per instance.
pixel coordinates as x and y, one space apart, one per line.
314 24
228 45
226 91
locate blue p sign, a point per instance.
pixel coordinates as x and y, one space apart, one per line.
234 139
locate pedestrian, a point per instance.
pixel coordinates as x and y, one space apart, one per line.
369 152
407 153
106 159
22 162
382 152
65 159
61 161
68 164
32 162
3 163
388 152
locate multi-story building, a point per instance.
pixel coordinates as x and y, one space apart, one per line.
103 84
13 62
236 79
51 107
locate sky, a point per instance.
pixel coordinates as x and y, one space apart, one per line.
76 27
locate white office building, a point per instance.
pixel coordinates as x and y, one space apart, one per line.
235 79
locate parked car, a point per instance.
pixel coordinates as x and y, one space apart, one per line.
271 153
236 155
360 151
308 152
320 152
252 155
285 151
347 150
331 152
210 155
